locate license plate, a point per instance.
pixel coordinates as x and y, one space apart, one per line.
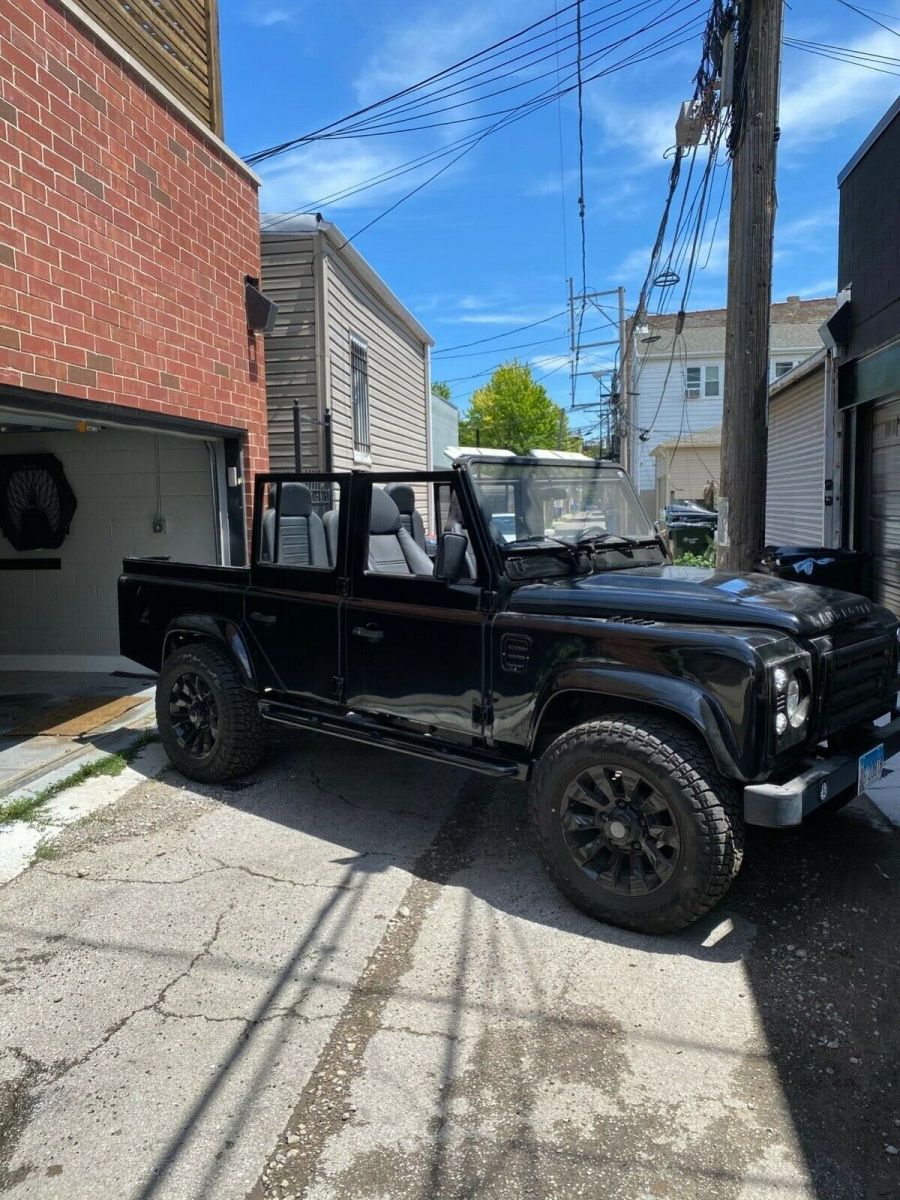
870 767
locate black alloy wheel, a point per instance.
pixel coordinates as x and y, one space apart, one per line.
635 824
194 714
619 830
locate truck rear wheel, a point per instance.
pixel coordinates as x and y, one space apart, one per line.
209 724
636 825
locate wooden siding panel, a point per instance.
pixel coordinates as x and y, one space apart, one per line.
177 41
795 512
287 279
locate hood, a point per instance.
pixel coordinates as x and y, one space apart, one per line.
690 595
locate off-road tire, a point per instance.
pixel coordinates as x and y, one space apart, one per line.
706 808
241 732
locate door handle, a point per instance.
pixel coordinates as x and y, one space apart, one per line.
263 618
369 633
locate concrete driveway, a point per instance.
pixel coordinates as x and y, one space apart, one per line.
348 978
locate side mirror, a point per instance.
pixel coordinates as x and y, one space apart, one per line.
450 563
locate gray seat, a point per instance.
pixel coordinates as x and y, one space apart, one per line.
300 533
404 497
392 550
330 522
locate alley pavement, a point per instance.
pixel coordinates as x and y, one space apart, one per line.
348 978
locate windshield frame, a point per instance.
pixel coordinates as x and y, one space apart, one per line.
548 539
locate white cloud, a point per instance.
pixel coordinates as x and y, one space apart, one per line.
550 362
512 319
820 289
819 95
712 260
425 46
266 17
646 131
307 177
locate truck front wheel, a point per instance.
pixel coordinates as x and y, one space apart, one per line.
636 825
209 724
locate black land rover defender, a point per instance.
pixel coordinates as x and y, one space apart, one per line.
653 710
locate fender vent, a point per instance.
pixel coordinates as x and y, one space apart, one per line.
515 652
631 621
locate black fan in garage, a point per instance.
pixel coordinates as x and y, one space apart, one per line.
36 502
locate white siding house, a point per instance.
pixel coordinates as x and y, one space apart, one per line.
343 345
676 380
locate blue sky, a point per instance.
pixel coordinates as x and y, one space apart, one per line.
489 245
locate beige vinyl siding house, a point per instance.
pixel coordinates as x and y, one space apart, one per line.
676 371
686 466
343 345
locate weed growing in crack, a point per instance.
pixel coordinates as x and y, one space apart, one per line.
24 808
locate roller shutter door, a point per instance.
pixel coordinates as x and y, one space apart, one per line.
884 504
795 513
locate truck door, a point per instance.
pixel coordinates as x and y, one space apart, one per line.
415 644
292 610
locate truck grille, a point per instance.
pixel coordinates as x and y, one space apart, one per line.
859 683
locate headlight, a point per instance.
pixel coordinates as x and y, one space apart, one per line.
797 699
792 695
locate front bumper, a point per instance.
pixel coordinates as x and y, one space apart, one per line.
778 804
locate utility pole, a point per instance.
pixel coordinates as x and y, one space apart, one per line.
742 510
612 316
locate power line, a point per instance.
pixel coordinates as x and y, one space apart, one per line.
651 50
844 58
562 172
354 130
557 337
495 337
862 12
261 155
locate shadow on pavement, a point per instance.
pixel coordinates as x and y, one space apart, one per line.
825 973
824 967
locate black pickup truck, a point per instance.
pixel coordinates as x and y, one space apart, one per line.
652 709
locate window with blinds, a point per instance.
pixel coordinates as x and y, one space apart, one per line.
359 389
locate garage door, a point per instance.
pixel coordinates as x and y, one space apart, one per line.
795 515
137 493
884 504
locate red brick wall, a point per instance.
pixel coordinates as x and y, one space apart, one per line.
124 238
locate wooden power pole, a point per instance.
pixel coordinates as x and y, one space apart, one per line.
742 511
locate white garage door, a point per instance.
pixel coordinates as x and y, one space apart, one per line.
884 504
795 513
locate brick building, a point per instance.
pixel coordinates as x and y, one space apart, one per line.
127 233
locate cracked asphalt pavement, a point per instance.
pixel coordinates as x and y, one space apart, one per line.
348 978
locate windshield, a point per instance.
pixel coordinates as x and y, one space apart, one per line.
567 502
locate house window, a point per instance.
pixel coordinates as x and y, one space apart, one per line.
359 389
703 382
782 366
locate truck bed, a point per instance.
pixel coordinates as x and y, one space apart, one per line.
154 591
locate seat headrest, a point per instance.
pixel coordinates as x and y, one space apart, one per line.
403 496
384 516
296 500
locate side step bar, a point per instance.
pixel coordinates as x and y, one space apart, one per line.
359 729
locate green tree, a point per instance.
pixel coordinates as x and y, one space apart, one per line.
441 390
513 412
